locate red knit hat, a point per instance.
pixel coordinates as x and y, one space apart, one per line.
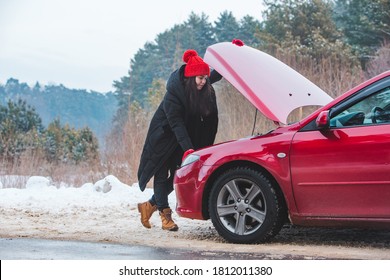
195 64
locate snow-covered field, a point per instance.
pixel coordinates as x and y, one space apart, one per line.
102 211
106 211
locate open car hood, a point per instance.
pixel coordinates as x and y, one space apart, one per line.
271 86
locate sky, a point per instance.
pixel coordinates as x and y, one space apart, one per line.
87 44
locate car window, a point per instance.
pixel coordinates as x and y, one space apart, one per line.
373 110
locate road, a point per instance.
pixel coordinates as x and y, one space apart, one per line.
45 249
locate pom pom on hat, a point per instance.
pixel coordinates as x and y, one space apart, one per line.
188 54
195 65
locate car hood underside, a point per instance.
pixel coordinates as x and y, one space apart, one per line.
271 86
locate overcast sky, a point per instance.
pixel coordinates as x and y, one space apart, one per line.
87 44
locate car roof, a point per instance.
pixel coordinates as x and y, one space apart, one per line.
274 88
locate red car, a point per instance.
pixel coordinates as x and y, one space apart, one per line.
332 168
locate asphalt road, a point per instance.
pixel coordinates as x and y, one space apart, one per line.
42 249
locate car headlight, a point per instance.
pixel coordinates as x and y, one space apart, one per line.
190 159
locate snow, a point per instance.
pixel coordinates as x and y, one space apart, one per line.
102 211
40 193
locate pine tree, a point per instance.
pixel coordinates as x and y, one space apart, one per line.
365 23
247 30
20 126
300 20
226 27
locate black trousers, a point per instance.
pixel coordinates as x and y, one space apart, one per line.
163 180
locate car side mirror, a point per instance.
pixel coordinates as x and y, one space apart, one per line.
323 120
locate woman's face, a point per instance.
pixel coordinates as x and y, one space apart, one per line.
200 81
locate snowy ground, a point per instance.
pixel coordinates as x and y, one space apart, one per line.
106 211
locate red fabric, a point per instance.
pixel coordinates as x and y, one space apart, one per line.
195 64
238 42
186 153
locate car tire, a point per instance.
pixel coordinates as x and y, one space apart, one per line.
246 207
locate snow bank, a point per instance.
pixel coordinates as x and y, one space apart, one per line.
40 194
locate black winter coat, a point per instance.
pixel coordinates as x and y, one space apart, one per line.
172 127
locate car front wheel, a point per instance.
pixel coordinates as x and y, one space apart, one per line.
245 206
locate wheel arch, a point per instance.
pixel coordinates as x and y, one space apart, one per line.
234 164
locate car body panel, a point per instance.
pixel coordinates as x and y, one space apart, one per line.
270 85
260 150
350 176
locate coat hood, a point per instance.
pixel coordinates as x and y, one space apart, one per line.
271 86
175 80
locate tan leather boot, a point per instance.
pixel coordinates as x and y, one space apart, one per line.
166 219
146 209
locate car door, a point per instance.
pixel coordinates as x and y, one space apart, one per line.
344 170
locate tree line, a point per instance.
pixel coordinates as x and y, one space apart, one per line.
52 123
76 107
349 30
22 132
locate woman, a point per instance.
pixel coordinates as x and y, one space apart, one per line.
186 120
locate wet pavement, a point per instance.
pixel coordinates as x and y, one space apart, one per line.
42 249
